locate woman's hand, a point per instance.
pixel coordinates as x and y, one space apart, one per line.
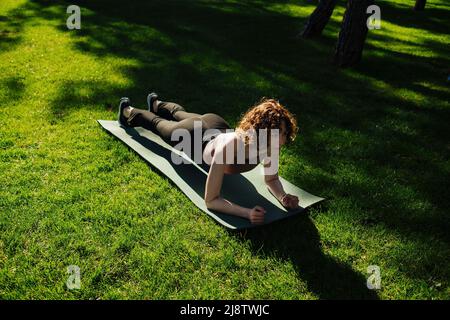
256 215
289 201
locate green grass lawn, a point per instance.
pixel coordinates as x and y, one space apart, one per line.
373 140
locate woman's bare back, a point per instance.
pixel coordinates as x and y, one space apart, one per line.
231 141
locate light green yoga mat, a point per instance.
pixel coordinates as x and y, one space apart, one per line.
247 189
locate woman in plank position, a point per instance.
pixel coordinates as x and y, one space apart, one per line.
221 150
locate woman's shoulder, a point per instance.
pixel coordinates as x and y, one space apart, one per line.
226 138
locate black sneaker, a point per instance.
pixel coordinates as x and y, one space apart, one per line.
150 99
124 102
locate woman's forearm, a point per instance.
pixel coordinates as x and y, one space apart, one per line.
276 188
225 206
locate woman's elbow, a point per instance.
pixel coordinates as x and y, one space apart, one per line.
210 203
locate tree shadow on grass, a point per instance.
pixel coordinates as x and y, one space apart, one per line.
297 240
433 18
76 94
15 88
10 29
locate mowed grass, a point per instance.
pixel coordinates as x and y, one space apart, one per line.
373 140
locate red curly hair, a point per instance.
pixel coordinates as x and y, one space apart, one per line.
268 114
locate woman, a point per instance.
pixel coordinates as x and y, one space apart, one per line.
220 150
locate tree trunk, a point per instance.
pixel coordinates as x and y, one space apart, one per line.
353 34
420 5
319 18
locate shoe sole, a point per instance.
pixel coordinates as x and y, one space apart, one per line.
150 102
121 118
